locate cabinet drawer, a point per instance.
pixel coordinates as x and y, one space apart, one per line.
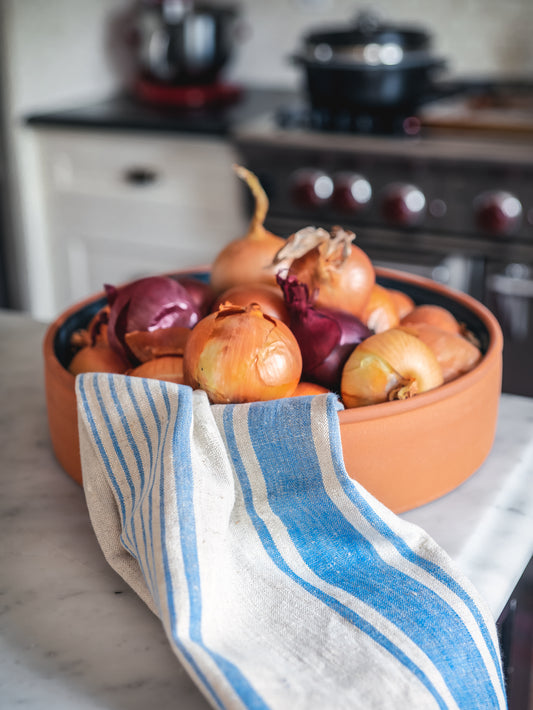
116 219
178 170
93 263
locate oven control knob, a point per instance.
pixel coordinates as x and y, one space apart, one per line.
310 188
351 192
403 205
498 212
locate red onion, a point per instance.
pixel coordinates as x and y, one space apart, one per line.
326 336
148 304
200 292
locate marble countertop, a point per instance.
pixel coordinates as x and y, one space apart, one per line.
74 635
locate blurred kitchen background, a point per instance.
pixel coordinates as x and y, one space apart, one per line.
113 164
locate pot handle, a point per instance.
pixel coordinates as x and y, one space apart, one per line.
368 20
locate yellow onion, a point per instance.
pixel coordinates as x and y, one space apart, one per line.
380 312
404 303
307 388
269 297
387 366
242 355
433 315
248 259
98 358
167 367
337 273
456 355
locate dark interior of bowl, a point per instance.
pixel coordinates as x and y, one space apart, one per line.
420 295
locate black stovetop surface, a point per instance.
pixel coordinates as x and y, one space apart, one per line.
125 112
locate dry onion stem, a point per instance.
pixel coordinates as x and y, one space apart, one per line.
248 259
386 366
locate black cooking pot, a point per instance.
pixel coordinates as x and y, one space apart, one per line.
370 66
183 43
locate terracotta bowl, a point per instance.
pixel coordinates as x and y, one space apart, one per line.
405 453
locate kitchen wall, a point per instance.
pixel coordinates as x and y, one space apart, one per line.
477 36
53 53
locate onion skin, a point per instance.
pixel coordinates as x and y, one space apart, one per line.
249 259
433 315
148 344
391 365
269 297
98 358
95 333
337 272
456 355
168 368
380 312
242 355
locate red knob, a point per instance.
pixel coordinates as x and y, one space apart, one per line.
311 188
404 205
351 192
498 212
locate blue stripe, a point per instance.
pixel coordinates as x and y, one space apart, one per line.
129 525
270 547
153 469
184 486
128 545
136 496
165 558
341 556
401 546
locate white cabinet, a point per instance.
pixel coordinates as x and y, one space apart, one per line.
117 206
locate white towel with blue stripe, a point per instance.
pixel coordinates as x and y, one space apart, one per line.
280 582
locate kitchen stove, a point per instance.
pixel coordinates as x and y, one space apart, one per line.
454 204
376 122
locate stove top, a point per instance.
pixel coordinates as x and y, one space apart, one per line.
378 122
458 105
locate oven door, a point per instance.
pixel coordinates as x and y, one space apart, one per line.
509 295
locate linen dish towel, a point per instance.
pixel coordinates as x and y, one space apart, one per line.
280 582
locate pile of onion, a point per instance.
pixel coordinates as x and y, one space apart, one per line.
143 328
279 318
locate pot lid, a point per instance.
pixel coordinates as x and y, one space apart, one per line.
369 41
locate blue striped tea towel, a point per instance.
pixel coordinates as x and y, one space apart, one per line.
280 582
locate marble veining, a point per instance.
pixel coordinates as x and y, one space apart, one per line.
72 633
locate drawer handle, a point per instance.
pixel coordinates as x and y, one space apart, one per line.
140 176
